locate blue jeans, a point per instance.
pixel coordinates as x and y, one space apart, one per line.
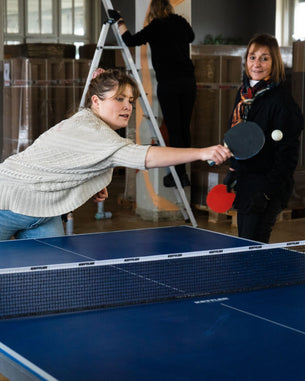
21 226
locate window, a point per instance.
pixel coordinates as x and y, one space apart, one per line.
13 21
39 17
284 21
299 17
290 16
57 21
72 17
12 24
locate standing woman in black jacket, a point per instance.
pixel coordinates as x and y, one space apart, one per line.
264 183
169 36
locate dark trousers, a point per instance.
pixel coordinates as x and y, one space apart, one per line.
176 99
258 227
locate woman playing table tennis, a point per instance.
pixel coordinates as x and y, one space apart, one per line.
264 182
73 161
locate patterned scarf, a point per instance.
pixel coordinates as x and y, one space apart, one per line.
248 95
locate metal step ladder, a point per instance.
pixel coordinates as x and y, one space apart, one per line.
182 201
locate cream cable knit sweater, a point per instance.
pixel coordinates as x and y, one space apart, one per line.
65 166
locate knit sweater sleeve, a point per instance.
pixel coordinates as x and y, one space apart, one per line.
73 151
65 166
130 156
95 145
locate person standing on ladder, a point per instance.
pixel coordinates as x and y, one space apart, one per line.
169 36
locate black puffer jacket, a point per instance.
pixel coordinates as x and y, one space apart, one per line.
271 170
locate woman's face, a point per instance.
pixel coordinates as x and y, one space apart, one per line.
115 110
259 62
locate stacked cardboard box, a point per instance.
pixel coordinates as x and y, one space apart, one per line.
108 57
218 78
39 50
297 200
38 93
298 86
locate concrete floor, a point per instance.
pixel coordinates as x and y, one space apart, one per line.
124 218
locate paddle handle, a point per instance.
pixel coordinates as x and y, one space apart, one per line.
211 162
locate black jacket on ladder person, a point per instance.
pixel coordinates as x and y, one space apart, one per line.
169 40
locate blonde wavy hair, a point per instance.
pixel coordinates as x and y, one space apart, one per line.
159 9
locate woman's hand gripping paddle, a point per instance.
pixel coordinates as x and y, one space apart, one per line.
244 140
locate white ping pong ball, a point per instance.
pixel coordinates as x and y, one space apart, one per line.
277 135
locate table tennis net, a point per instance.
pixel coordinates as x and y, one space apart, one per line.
102 284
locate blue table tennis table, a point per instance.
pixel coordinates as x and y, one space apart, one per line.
207 330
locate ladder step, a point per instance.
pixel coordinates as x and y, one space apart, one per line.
146 116
130 65
110 47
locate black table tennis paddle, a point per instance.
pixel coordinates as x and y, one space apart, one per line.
244 140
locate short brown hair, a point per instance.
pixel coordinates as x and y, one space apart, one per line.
108 81
277 69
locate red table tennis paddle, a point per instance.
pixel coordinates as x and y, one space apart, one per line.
219 199
244 140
